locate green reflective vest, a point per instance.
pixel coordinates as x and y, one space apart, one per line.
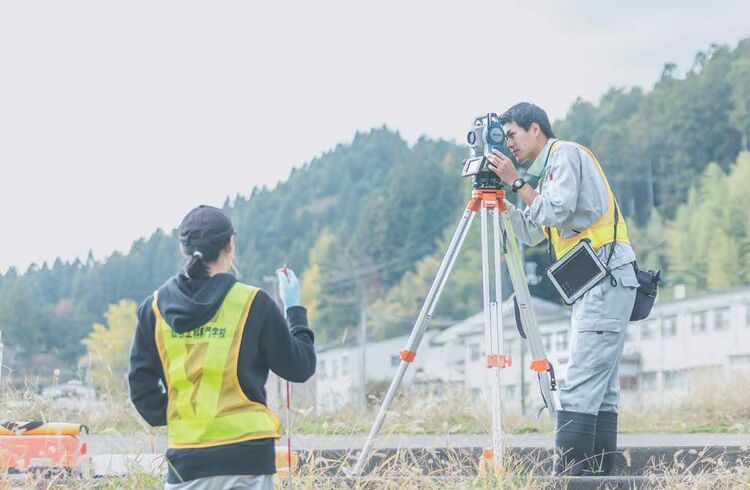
206 405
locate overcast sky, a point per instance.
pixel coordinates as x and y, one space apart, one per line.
116 118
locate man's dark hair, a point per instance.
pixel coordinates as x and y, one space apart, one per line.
526 113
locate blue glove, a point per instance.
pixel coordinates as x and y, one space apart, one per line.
288 287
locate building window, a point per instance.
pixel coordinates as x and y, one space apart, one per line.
322 368
674 379
648 380
510 391
740 361
648 330
345 366
475 351
722 319
561 341
698 323
669 326
747 315
628 382
395 360
334 369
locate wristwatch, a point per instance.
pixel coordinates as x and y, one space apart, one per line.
517 184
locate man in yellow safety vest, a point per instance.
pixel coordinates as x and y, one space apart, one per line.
202 351
572 202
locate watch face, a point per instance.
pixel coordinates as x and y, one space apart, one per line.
518 183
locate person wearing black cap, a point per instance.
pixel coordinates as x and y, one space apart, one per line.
200 359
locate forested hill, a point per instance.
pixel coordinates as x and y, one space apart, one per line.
376 203
366 223
656 144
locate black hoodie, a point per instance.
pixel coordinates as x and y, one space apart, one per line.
267 343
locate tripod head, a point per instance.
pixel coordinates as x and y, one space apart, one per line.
485 135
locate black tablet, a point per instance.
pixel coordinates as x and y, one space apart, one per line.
576 272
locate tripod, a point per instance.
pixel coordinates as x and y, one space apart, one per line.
486 198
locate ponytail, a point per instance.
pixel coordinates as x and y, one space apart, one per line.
196 267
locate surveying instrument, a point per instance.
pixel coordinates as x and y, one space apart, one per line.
487 197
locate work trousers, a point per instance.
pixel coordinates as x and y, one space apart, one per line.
599 322
226 482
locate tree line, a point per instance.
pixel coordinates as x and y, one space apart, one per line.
367 223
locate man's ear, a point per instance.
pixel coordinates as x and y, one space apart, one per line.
536 128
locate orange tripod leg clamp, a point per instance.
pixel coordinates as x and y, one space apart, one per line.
407 355
499 361
540 365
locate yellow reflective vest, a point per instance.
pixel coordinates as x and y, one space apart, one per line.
206 405
602 231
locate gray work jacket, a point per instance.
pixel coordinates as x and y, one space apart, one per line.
572 195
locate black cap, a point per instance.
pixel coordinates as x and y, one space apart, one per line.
205 227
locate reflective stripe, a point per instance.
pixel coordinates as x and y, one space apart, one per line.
206 405
602 231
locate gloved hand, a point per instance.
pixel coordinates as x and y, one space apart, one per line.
288 287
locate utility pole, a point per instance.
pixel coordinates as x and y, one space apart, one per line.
651 184
363 355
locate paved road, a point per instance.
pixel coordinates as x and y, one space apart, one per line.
143 444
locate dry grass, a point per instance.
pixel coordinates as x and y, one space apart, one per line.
110 413
712 405
702 472
410 413
136 480
404 470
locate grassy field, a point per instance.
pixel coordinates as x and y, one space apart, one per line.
401 473
710 407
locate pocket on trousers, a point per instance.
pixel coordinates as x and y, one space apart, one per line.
597 343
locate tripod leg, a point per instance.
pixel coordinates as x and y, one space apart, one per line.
539 363
493 335
409 352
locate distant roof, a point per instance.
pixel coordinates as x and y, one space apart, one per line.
701 295
546 312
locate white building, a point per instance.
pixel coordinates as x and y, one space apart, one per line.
706 335
342 376
466 340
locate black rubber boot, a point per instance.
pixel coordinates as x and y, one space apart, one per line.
574 443
605 443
